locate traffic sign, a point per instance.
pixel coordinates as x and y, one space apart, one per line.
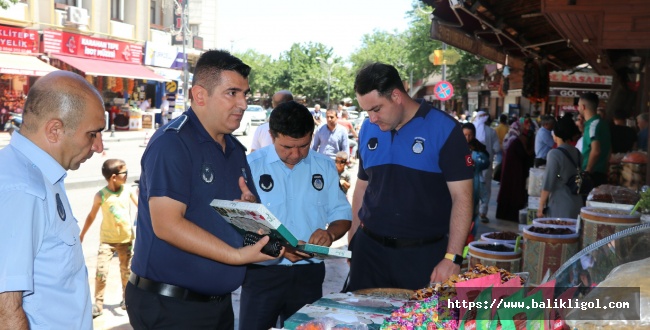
443 90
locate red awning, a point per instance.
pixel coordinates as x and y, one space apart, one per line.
24 65
94 67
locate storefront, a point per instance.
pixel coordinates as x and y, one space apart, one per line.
113 67
19 68
167 61
566 88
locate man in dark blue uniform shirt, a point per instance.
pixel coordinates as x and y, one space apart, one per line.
187 259
412 203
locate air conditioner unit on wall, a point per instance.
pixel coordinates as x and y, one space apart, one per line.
76 16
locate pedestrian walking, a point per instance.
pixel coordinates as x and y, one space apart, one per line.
116 234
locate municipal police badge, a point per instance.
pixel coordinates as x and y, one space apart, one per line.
59 207
266 182
207 174
418 146
372 144
317 181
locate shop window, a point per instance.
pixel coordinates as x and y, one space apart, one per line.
117 10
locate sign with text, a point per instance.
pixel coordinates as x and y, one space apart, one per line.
161 55
569 92
58 42
178 22
14 40
580 78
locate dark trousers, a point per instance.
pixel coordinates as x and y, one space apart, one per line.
148 310
376 266
272 291
539 162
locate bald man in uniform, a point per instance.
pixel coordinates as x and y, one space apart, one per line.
41 261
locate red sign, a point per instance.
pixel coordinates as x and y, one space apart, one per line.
65 43
197 42
443 90
13 40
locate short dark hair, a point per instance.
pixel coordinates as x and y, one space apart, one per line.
590 100
291 119
207 73
470 127
378 76
503 118
566 128
112 166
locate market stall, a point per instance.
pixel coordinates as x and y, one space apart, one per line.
555 273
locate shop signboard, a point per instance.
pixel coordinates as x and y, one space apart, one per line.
15 40
580 78
571 92
65 43
160 55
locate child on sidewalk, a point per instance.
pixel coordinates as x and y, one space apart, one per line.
116 233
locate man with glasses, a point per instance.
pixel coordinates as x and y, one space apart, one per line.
301 188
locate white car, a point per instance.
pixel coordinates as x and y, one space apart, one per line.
258 114
244 125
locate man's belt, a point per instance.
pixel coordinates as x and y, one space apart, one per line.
394 242
172 291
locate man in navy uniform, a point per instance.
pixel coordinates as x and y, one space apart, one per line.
187 258
412 203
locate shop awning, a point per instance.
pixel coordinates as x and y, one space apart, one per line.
24 65
94 67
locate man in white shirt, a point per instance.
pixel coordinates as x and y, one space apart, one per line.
262 137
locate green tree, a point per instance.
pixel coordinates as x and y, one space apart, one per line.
307 72
4 4
264 73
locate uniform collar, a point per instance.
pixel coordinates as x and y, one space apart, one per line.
202 135
51 169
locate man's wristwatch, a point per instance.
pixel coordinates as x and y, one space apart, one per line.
455 258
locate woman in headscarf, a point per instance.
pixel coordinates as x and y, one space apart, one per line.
556 195
481 160
517 160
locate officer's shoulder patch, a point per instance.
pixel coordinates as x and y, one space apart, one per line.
177 123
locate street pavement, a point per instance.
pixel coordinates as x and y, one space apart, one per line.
83 183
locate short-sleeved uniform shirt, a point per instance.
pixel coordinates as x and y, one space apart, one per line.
304 198
596 129
40 250
184 163
407 173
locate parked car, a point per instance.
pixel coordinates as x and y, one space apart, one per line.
244 125
258 114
